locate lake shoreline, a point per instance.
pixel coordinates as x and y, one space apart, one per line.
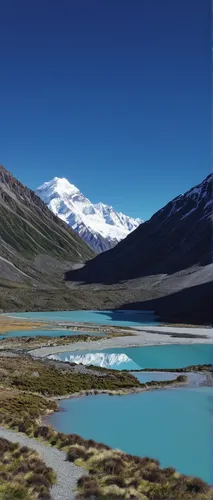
170 384
143 336
46 422
122 392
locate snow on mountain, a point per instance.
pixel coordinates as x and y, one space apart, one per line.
197 198
98 224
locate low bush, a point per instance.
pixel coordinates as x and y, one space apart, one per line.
116 475
51 380
112 474
190 368
23 475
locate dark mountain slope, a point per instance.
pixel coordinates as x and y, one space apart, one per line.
32 239
189 305
177 237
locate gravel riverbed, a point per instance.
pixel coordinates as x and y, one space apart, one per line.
142 337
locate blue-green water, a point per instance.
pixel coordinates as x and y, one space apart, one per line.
134 358
174 426
113 318
48 333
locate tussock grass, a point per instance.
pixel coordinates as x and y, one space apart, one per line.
115 475
39 377
55 380
23 475
21 411
112 474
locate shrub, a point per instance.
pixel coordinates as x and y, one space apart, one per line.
23 475
43 431
196 485
74 453
118 480
90 487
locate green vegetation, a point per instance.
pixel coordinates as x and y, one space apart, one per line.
191 368
51 379
24 381
112 475
30 227
20 411
45 378
23 475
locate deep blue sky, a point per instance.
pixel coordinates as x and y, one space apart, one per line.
115 95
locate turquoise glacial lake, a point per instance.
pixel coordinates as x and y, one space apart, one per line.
174 426
48 333
113 318
134 358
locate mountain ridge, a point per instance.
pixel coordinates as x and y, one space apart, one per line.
164 265
28 229
99 225
176 237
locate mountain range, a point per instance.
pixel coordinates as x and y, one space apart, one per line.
99 225
164 265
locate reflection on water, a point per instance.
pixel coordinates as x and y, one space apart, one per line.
134 358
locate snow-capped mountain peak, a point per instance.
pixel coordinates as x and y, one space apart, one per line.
60 186
98 224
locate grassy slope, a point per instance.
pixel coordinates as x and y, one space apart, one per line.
23 475
32 231
28 228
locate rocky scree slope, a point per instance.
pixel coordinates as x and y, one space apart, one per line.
34 243
99 225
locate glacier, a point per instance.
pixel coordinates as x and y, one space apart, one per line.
100 226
